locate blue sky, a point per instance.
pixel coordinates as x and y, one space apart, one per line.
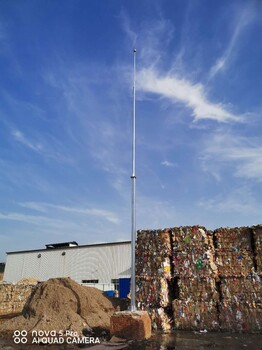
66 117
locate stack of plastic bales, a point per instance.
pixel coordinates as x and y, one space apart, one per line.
153 274
196 279
196 273
257 235
239 308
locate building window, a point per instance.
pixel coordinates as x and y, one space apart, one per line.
89 281
115 282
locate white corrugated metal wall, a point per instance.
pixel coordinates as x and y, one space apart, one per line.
102 262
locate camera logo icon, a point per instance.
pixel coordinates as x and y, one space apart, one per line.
20 337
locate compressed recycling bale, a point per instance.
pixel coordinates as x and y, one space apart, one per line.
192 315
155 240
153 273
233 238
242 289
152 292
153 266
257 235
193 252
198 289
153 251
153 269
194 264
188 237
232 263
244 316
161 319
234 254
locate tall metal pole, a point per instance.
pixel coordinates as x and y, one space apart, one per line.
133 178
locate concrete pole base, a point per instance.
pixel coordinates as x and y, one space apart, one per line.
131 325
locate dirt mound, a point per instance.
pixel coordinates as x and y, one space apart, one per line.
62 304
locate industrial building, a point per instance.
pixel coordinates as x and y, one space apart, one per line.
105 265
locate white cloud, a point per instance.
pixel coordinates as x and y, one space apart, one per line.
49 147
101 130
127 28
242 153
34 206
155 38
20 137
240 201
219 65
154 213
243 19
40 221
181 90
151 38
168 164
101 213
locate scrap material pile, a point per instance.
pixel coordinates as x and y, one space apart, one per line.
153 274
193 265
240 306
257 234
191 278
234 254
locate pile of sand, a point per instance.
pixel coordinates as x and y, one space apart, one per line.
28 281
63 304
